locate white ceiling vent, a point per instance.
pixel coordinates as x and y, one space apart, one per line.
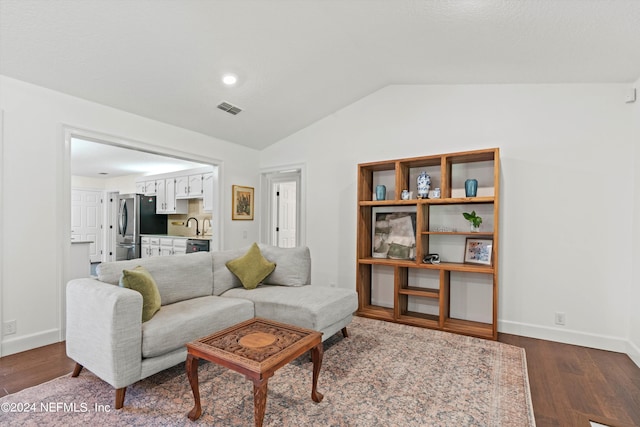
229 108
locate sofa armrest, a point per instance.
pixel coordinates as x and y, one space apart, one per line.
104 330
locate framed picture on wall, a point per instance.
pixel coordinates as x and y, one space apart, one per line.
394 232
478 251
242 204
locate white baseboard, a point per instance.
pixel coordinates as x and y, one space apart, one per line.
567 336
28 342
634 352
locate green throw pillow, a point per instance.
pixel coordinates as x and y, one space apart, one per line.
251 268
139 279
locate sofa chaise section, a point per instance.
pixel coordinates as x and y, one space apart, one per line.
320 308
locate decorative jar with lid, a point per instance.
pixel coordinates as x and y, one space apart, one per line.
424 184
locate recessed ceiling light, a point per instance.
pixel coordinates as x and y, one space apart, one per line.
229 79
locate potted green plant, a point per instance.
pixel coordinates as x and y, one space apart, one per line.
473 219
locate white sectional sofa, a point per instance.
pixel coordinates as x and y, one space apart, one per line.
199 296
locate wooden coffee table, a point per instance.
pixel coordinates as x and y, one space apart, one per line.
255 348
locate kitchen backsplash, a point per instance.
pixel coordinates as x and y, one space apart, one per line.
177 222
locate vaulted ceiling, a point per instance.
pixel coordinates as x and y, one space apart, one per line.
299 61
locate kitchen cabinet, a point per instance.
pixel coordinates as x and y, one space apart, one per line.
160 195
162 246
195 185
166 246
179 246
188 184
150 188
150 246
182 186
189 187
166 202
207 192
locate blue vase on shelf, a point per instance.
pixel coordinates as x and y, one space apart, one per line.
381 192
471 187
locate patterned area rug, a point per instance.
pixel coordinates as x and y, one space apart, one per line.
383 375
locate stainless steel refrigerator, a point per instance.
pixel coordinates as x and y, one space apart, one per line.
136 215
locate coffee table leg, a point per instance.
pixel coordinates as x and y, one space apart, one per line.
192 373
259 400
316 357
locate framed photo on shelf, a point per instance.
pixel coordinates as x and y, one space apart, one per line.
242 205
393 233
478 251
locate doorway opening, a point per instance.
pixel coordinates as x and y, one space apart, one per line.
100 171
131 150
283 222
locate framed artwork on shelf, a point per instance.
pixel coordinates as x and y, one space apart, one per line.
478 251
394 232
242 204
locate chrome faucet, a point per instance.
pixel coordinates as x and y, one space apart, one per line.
197 226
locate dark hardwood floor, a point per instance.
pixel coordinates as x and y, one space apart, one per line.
569 384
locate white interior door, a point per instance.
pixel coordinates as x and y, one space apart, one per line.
86 220
282 222
286 214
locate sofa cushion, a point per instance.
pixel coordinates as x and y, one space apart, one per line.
293 265
223 278
313 307
140 280
179 277
251 268
179 323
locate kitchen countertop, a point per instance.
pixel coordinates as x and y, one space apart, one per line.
178 237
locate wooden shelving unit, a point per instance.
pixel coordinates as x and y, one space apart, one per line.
450 280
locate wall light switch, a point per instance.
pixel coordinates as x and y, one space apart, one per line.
631 96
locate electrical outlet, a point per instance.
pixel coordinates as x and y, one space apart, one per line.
560 318
9 327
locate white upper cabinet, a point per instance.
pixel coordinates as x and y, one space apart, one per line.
166 202
207 192
195 185
150 188
172 190
182 186
189 186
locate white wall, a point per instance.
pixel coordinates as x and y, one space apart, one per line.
634 336
35 224
567 174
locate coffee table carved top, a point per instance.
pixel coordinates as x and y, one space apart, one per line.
257 344
257 341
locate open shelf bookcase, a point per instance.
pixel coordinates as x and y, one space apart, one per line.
453 296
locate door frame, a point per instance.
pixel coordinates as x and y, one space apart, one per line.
286 173
64 202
